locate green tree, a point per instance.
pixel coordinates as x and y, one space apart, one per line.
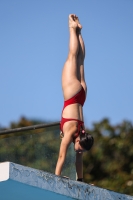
36 148
110 162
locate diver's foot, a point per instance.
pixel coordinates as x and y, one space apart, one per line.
74 22
79 25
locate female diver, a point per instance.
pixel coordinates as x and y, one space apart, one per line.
74 91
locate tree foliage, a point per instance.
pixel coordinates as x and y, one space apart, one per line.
36 148
110 162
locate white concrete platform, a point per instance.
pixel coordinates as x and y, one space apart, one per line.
18 182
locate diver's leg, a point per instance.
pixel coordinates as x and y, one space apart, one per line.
80 60
80 67
70 82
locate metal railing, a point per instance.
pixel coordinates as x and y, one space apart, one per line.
27 128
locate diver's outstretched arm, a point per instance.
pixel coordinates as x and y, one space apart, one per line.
79 165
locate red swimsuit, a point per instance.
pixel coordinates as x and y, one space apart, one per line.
78 98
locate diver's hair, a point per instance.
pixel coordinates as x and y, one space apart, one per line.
86 140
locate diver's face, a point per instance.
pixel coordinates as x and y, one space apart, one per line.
77 146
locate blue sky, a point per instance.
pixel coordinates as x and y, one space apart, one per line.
33 48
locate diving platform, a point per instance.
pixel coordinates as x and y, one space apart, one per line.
25 183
